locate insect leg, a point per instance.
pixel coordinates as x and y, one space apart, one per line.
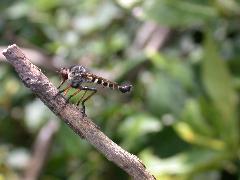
65 90
73 94
81 97
94 90
62 82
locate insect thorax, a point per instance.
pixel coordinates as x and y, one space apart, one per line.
77 70
77 75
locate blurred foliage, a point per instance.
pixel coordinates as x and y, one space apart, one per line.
182 118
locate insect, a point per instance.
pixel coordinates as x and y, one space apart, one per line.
77 75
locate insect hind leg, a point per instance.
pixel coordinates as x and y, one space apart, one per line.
75 93
93 91
81 97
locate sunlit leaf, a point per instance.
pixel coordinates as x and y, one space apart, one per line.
229 7
18 10
105 13
183 163
35 115
44 4
135 127
128 3
219 86
18 158
193 115
188 134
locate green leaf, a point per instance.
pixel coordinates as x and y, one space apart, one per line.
18 10
135 127
219 86
164 94
176 13
195 129
183 164
187 133
176 67
193 116
35 115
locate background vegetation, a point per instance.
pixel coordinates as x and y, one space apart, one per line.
183 58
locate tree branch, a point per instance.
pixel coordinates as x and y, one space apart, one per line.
34 79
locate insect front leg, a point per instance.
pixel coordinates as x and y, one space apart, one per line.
62 82
65 89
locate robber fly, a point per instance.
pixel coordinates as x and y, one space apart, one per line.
77 75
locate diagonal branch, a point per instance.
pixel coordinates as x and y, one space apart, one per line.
39 84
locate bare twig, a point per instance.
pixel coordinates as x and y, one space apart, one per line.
34 79
40 150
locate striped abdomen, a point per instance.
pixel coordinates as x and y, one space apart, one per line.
106 83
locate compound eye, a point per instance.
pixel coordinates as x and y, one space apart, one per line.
64 73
